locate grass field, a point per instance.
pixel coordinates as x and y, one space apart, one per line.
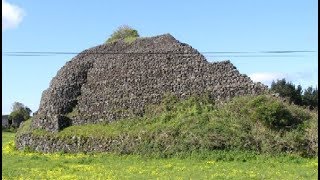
219 165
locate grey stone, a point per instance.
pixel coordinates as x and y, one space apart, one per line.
100 86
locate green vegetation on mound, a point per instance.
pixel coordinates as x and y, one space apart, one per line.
217 165
125 33
260 124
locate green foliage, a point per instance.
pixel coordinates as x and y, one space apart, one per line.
214 164
8 129
19 113
17 105
18 116
73 113
308 98
25 127
125 33
288 90
273 113
176 127
129 39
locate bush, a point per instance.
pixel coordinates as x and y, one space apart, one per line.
312 136
272 112
125 33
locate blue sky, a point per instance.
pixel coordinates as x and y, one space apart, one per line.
213 25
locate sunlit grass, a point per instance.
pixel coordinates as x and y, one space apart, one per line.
32 165
260 124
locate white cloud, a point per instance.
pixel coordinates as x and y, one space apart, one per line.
267 77
12 15
305 77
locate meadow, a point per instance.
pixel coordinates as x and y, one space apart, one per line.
217 165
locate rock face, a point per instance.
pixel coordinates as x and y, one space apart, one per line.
113 81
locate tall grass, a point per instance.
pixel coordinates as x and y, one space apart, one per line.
260 124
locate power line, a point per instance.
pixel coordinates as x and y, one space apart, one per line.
287 51
110 52
261 56
255 52
27 55
206 53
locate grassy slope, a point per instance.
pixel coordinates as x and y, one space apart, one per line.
220 164
176 128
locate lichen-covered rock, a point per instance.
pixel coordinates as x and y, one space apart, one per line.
116 80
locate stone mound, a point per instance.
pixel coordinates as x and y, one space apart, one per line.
117 80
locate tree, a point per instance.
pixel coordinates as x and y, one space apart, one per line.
19 113
288 90
125 33
16 106
310 97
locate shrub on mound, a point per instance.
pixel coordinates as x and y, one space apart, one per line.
260 124
124 33
270 111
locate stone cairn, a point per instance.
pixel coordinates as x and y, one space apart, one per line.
118 80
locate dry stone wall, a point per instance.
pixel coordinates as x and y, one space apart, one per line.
117 80
50 144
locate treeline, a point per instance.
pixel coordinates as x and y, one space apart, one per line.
307 97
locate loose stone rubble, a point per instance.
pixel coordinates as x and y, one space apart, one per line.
118 80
